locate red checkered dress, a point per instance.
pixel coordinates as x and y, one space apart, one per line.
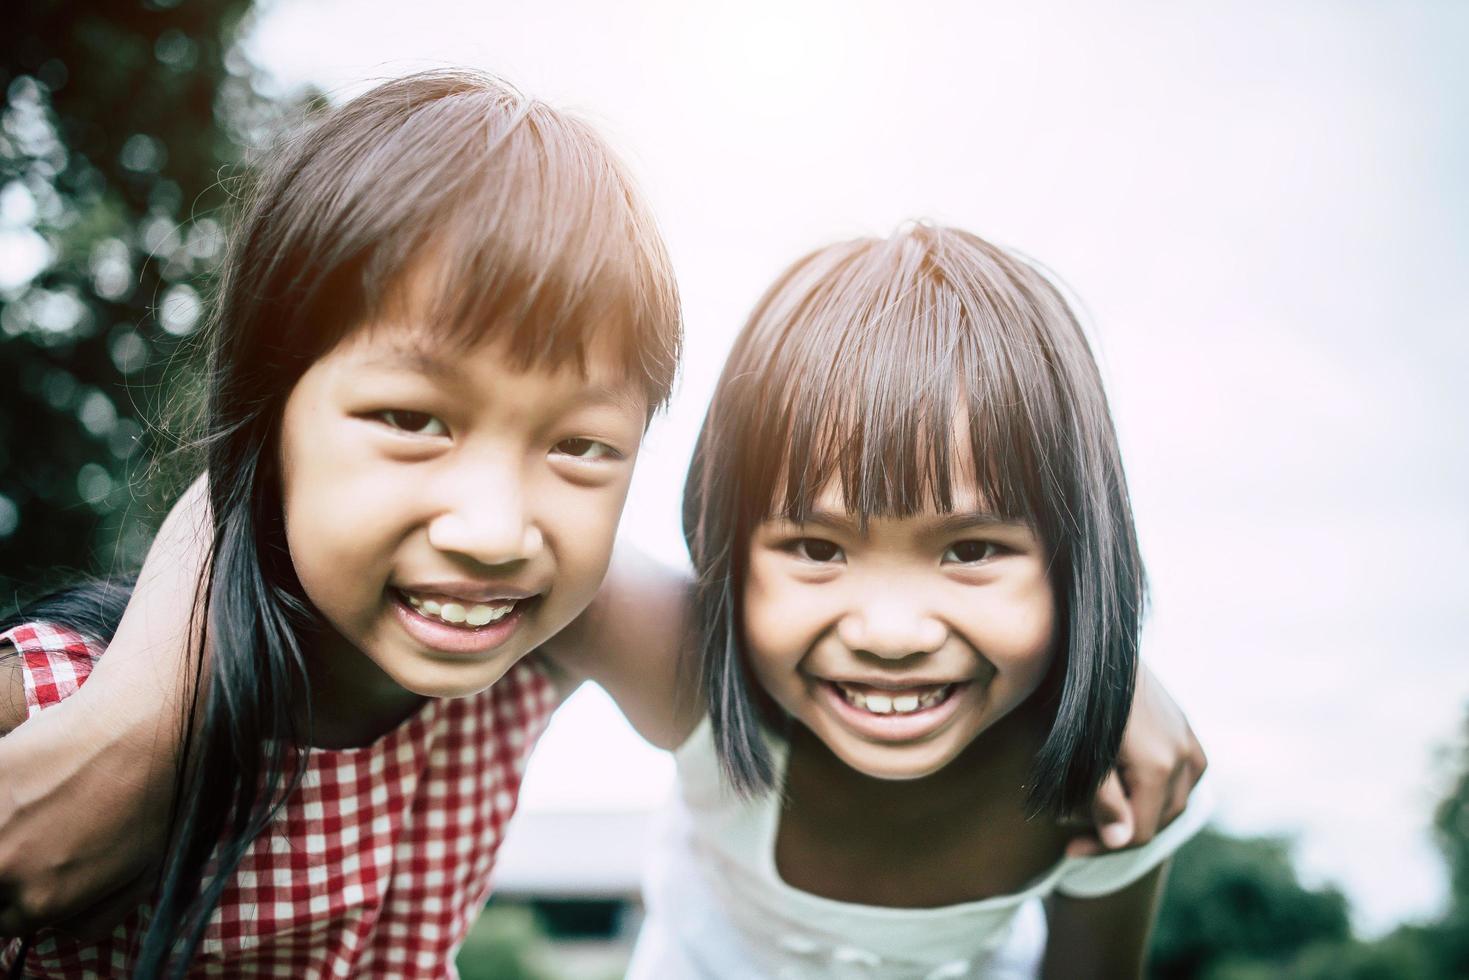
375 867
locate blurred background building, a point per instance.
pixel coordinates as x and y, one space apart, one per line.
1261 208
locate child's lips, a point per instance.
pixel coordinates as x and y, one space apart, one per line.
459 628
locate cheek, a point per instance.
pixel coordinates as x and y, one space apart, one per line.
579 525
772 652
1030 630
777 616
1011 622
343 517
317 534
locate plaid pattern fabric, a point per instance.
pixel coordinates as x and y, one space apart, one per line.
375 867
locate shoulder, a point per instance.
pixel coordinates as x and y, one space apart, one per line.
42 665
634 640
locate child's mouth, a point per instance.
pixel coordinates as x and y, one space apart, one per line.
458 626
465 615
894 714
899 702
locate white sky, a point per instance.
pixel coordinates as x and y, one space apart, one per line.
1264 212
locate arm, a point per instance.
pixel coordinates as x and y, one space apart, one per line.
1157 768
633 640
12 690
1105 937
88 784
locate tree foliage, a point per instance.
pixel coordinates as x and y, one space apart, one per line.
1235 910
120 121
1233 898
506 943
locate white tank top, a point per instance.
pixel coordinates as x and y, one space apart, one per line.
718 909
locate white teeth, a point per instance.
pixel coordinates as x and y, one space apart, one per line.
879 704
900 704
454 613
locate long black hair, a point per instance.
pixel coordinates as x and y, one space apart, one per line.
92 608
535 233
855 366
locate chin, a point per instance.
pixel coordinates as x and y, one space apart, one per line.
896 763
452 680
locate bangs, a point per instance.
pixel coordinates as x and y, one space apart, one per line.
907 372
544 247
897 377
530 228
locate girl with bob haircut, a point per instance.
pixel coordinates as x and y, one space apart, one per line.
917 602
439 335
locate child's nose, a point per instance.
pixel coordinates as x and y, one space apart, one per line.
892 627
492 527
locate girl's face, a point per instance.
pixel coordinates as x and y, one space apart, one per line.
447 513
898 646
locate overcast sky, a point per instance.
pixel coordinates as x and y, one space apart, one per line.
1262 208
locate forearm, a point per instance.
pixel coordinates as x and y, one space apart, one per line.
1104 938
99 768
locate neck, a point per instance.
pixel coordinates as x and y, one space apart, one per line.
353 702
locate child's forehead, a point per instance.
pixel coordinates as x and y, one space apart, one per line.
399 345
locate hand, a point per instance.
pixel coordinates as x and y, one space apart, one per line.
81 820
1157 768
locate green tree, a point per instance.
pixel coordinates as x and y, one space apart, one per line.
1235 910
506 943
1449 939
119 121
1239 899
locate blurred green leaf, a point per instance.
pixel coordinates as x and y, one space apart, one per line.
122 124
506 943
1234 909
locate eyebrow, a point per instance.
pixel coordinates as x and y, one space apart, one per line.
942 524
431 365
624 396
416 359
964 520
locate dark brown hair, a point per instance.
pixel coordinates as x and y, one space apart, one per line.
855 366
534 233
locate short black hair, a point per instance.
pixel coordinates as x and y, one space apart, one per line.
855 366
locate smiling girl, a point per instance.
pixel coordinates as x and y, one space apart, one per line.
918 597
440 334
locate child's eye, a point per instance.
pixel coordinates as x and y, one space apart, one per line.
586 449
970 552
414 423
817 550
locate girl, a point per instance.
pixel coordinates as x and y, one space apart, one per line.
439 337
918 599
514 324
